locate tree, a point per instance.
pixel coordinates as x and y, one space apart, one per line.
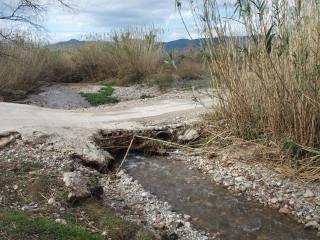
22 11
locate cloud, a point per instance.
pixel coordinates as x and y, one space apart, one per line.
103 16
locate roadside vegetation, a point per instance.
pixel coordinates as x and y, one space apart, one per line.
268 84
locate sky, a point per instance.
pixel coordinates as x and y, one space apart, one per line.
103 16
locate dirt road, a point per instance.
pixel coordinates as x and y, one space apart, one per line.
19 116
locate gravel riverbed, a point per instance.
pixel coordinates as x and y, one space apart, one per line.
126 193
259 183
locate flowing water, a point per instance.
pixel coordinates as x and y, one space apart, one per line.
214 208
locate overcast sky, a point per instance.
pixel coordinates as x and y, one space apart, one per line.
102 16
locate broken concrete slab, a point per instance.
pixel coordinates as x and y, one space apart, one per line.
7 138
92 157
189 135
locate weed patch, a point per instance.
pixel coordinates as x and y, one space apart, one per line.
15 225
103 96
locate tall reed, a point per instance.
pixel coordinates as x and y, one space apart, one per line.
21 65
268 81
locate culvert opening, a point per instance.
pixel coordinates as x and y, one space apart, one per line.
141 142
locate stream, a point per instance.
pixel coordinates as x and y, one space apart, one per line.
212 207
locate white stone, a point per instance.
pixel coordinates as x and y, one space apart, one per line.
144 194
273 200
239 179
51 201
308 194
188 225
61 221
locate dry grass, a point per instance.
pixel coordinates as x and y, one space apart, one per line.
189 70
95 61
269 85
126 57
137 55
23 66
131 56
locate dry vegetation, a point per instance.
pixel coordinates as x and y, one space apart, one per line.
127 57
268 85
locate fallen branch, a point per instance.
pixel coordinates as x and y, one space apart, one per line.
126 155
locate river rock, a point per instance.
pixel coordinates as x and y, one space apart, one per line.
77 184
273 200
189 135
312 225
284 210
308 194
161 226
51 201
98 159
61 221
169 236
239 179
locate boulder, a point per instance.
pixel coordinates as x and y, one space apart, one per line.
77 185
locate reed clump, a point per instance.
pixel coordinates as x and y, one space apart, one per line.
268 80
21 64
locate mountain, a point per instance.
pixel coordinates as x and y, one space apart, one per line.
71 42
182 44
178 45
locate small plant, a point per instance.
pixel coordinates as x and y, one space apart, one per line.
103 96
